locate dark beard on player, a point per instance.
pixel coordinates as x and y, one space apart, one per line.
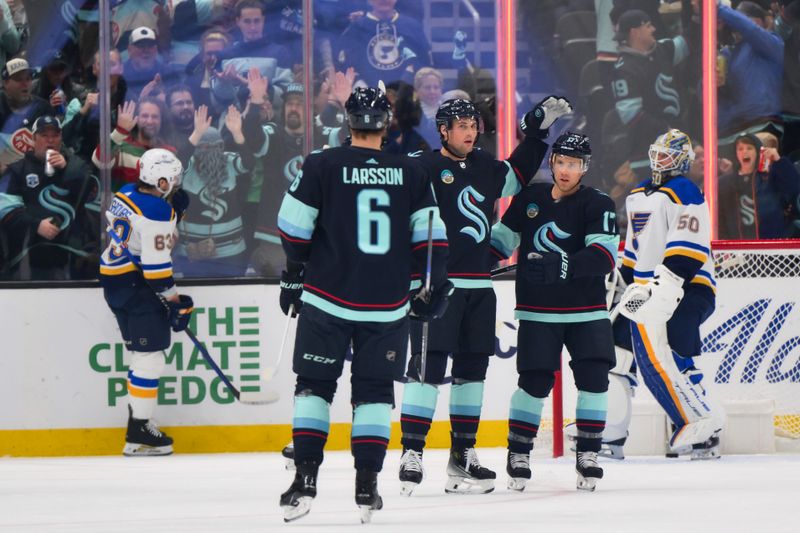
211 165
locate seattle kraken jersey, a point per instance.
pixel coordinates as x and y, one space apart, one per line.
466 192
146 225
358 219
581 225
670 225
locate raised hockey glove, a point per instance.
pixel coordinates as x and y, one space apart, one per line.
544 114
426 307
459 45
180 312
180 203
291 290
548 268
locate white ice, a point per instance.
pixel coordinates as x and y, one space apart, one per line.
239 493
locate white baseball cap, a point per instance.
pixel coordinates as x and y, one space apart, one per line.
142 33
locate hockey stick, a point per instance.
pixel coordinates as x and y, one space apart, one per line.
426 294
270 371
502 270
249 398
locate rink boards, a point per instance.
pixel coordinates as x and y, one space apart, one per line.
65 369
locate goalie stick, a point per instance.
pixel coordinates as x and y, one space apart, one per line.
248 398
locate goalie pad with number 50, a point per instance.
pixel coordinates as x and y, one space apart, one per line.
655 301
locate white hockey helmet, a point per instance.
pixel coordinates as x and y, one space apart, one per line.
670 155
157 164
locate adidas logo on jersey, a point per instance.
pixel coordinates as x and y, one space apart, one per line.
371 161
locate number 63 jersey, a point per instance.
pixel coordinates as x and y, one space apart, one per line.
670 225
358 219
145 224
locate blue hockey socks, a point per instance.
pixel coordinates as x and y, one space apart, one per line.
590 420
310 428
524 417
466 400
370 436
416 414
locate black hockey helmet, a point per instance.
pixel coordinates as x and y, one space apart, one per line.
368 109
572 144
455 109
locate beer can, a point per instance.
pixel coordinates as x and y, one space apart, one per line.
49 170
763 160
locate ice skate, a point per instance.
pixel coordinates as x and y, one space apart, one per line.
706 450
143 438
288 453
588 470
296 501
367 497
518 467
411 472
466 475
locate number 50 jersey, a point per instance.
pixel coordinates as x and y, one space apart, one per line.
358 219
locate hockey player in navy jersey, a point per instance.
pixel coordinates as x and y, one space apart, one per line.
136 276
467 183
567 239
670 271
354 225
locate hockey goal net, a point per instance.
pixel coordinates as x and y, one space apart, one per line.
751 343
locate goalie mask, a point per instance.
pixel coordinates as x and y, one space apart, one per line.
452 111
670 155
158 164
368 109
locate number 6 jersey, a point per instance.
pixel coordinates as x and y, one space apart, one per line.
145 225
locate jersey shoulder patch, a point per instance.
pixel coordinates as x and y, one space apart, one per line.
151 207
681 190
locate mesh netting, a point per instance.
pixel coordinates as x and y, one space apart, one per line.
759 361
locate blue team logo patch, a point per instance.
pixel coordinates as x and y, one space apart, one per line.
447 177
532 210
32 180
639 222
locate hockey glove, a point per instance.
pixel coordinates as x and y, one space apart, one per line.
543 115
180 203
429 307
291 290
180 312
548 268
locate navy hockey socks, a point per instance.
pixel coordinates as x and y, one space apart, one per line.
524 417
370 436
310 428
416 414
466 400
590 420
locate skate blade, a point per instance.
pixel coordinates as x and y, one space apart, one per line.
366 513
517 483
407 488
705 455
299 510
587 483
612 452
464 485
141 450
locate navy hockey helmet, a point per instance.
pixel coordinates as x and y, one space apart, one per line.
368 109
572 144
455 109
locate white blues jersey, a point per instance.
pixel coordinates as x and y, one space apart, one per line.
668 225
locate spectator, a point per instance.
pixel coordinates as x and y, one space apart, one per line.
134 135
749 96
9 36
191 19
212 240
203 68
646 101
19 108
181 111
82 123
55 84
403 137
46 228
428 83
787 26
144 71
384 45
755 204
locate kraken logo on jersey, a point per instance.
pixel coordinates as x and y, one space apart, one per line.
467 199
543 238
61 209
292 167
218 206
665 91
747 210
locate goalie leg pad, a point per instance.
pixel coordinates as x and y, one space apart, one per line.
618 418
144 371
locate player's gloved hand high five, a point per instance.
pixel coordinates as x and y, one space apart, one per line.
180 203
538 120
428 307
548 268
291 290
180 312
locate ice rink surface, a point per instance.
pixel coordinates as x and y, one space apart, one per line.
239 493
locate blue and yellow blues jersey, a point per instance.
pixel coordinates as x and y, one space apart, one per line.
466 192
358 220
670 225
146 226
583 226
